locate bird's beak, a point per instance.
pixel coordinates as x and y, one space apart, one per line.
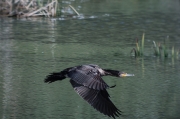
125 74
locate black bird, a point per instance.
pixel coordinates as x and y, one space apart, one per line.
87 82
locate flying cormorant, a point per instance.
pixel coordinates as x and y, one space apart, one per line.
87 82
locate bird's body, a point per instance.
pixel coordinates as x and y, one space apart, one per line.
87 82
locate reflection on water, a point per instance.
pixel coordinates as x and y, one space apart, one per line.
31 48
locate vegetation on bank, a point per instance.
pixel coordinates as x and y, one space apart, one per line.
28 8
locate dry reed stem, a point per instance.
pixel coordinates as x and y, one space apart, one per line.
41 9
27 7
74 10
23 8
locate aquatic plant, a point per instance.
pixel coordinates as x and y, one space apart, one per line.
164 48
177 54
172 51
174 54
142 44
160 49
157 49
138 51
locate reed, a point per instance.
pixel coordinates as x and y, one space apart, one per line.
164 48
74 10
177 54
174 53
142 43
138 51
137 48
161 49
157 49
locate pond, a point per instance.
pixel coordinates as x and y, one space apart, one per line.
103 34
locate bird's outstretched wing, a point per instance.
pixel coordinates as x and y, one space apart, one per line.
88 78
99 99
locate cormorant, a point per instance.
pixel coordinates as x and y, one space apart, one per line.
87 82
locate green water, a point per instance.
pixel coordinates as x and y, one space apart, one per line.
105 34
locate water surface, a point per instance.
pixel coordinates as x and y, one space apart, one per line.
104 34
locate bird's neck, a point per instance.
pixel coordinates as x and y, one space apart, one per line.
111 72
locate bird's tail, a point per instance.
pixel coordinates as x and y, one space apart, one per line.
54 77
57 76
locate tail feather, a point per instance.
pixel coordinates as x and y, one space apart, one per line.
54 77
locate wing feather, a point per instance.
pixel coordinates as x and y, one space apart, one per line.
99 99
